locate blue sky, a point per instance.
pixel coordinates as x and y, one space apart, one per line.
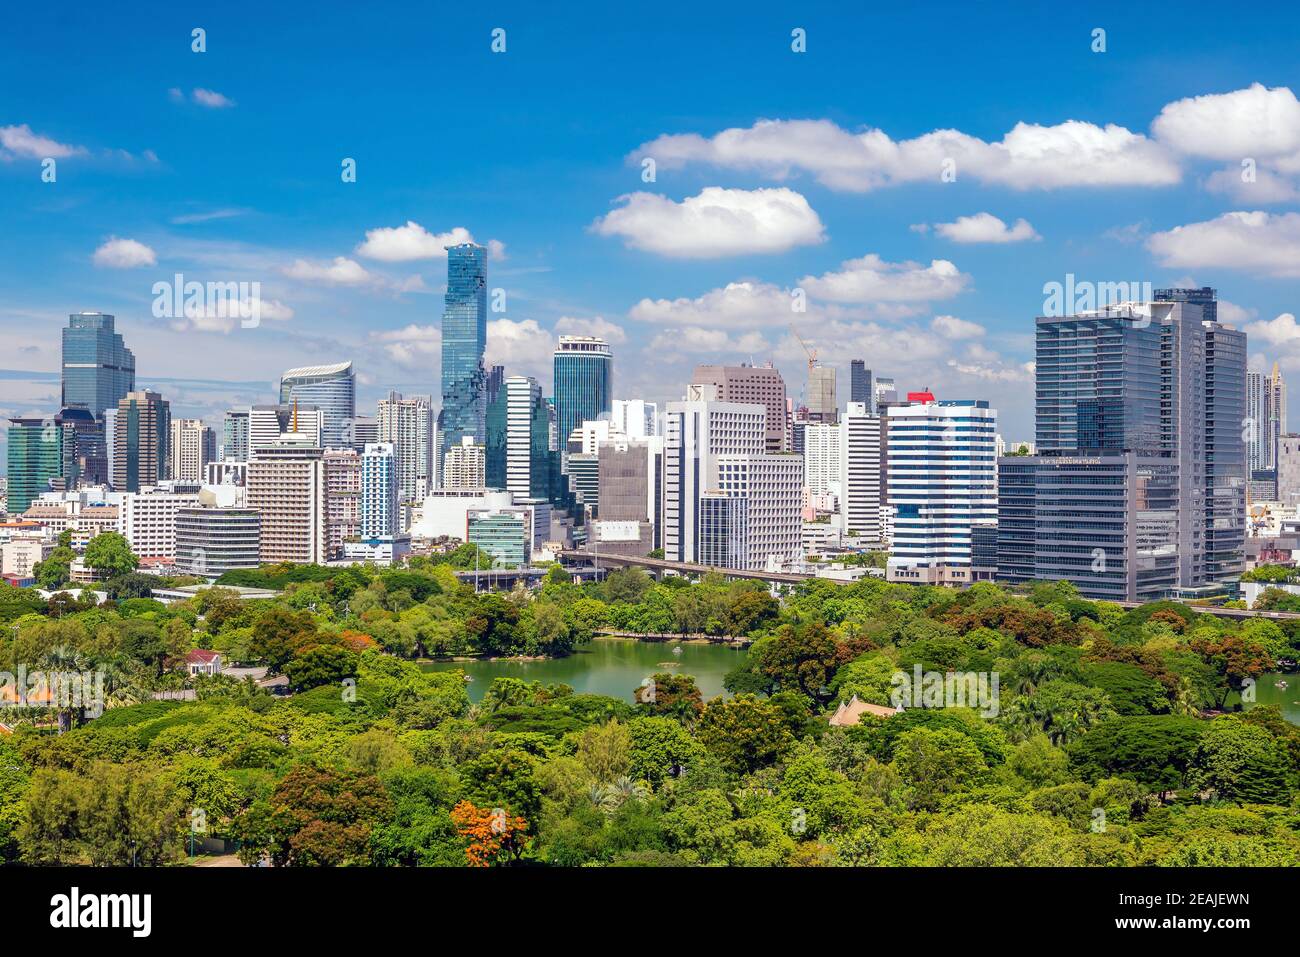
775 171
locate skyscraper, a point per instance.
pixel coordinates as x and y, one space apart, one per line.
747 383
517 455
940 482
140 444
234 436
823 405
1265 418
860 386
823 458
35 457
378 491
583 368
191 448
332 389
407 423
98 368
860 480
286 485
1138 487
716 450
464 339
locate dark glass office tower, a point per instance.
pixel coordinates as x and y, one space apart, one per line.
583 383
860 385
464 339
1138 487
98 368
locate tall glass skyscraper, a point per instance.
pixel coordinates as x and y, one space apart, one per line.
464 339
860 386
35 457
333 390
583 383
98 368
1138 488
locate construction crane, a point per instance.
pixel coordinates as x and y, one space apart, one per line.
812 353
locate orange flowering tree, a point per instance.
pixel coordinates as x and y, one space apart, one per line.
494 836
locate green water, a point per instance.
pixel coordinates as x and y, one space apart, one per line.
1287 698
613 667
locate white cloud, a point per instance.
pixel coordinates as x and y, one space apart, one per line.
1254 122
224 315
954 328
986 228
124 254
522 346
1255 242
1262 186
738 305
342 271
598 326
412 241
413 346
20 141
694 340
211 99
717 222
871 279
1281 331
1029 156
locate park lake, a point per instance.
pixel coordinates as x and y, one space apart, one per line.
607 666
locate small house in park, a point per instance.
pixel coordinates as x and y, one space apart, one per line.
850 712
202 662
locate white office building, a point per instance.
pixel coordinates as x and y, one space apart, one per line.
941 480
823 458
635 418
147 519
751 518
698 431
286 485
860 474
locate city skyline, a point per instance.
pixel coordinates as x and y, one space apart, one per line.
912 275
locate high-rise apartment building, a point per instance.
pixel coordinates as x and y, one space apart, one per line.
407 424
751 384
142 432
330 388
286 485
98 368
191 447
464 466
379 491
342 468
940 482
584 380
1265 418
464 339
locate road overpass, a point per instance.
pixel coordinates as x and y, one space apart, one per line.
683 568
794 578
